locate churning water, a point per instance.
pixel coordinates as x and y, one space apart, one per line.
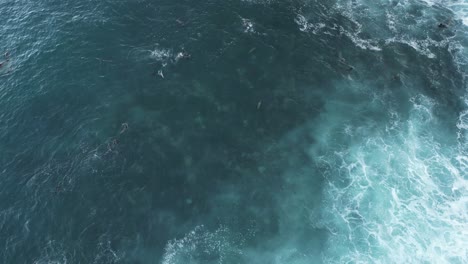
240 131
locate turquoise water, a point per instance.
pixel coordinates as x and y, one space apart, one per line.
254 131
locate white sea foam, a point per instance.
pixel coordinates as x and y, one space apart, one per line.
305 26
405 197
248 25
421 46
161 55
459 7
202 246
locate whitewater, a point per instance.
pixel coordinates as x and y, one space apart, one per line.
228 132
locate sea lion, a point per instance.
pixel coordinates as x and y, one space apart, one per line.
442 25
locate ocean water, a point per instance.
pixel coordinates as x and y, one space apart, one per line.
240 131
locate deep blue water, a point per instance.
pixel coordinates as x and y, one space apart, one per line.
240 131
